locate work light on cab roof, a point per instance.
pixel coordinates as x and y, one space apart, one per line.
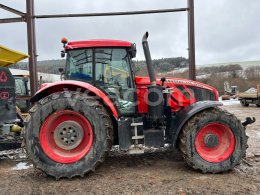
64 40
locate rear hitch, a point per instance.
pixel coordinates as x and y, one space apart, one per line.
248 121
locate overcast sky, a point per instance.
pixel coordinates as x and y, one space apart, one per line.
226 30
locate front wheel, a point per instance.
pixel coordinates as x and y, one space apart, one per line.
68 134
213 141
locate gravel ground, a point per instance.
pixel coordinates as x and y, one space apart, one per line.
163 172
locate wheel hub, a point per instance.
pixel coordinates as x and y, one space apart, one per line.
211 140
215 142
68 135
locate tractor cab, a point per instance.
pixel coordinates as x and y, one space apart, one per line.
106 65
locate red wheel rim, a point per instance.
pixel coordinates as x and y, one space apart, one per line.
220 147
66 136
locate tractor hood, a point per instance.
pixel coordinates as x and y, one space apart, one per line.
184 91
177 81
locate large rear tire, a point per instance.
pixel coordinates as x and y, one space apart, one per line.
213 141
68 134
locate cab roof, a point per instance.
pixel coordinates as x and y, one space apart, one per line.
97 43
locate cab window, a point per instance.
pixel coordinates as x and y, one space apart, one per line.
79 64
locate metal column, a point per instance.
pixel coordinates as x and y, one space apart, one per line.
191 32
30 20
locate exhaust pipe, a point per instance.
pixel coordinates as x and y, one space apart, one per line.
155 95
148 59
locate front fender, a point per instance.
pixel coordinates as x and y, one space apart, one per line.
78 86
182 116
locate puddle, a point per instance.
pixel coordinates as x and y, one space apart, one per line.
22 166
203 177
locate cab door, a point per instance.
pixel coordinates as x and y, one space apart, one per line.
113 75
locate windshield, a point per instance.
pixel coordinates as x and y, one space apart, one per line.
22 87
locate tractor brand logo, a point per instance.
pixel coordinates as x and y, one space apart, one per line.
3 77
186 83
4 95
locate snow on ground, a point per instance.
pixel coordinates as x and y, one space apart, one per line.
176 70
244 64
229 102
22 166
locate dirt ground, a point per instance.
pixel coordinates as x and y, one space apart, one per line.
154 173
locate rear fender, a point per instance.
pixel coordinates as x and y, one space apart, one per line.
78 86
182 116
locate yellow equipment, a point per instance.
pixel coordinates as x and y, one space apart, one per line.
10 128
9 56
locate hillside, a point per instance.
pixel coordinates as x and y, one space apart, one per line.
243 64
161 65
45 66
244 77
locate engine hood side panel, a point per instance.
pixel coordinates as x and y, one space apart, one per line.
184 92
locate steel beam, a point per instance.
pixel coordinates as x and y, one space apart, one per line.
31 46
11 20
111 13
12 10
191 40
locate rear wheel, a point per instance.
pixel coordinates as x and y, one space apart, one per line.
213 141
68 134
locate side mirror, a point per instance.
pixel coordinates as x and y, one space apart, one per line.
132 51
61 70
62 53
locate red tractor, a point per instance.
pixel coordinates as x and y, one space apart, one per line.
74 123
